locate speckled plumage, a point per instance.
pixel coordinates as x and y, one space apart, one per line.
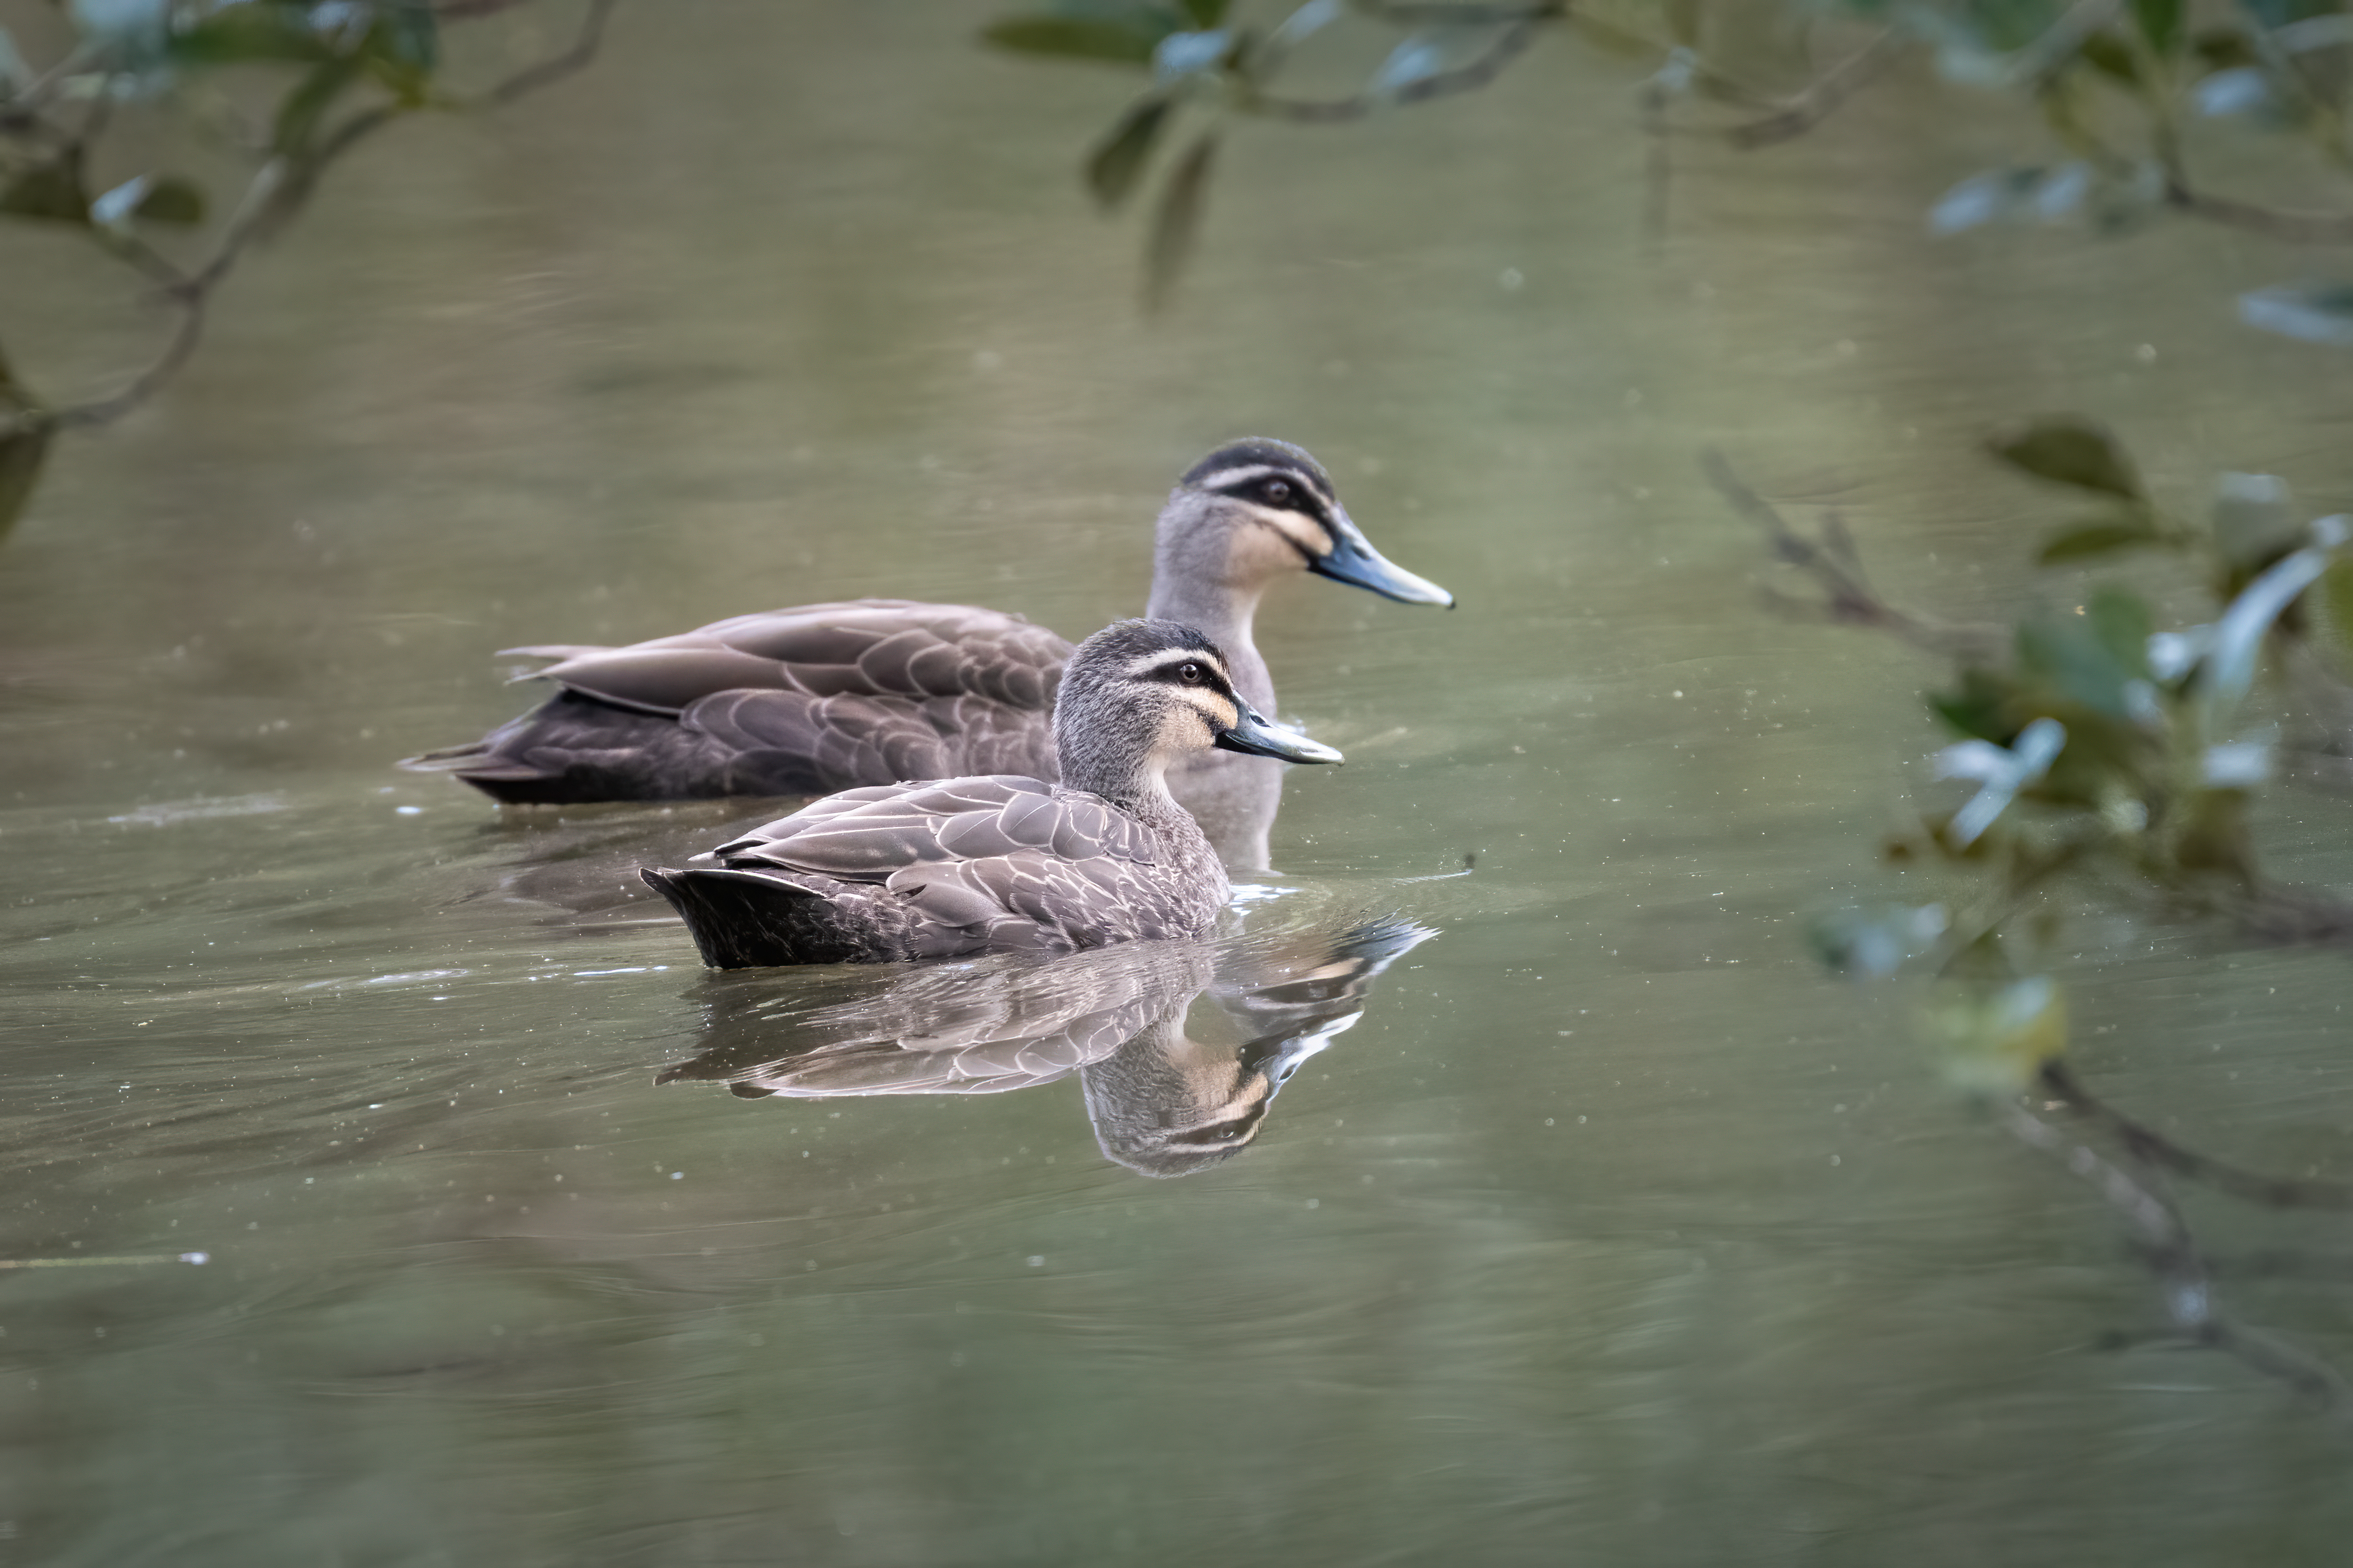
1001 863
868 691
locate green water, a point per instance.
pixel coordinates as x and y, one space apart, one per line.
1612 1231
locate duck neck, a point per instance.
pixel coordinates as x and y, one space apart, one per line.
1223 612
1137 786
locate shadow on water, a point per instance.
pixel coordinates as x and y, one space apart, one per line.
1171 1087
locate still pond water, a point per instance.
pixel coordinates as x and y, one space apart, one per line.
1610 1231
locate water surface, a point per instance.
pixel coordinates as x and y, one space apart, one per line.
1611 1229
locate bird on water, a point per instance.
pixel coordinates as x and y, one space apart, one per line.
1004 863
868 691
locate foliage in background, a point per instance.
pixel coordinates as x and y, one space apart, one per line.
333 73
2129 93
2107 758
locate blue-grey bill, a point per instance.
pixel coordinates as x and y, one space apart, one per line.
1253 735
1354 561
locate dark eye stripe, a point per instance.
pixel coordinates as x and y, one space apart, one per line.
1305 499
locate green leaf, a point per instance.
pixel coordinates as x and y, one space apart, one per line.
1987 706
50 190
2067 450
2336 597
172 199
2224 48
22 448
1206 14
1075 38
2065 652
2122 622
2160 23
1116 166
2102 537
21 456
2112 57
1176 222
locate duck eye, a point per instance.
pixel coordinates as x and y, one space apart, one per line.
1276 490
1191 674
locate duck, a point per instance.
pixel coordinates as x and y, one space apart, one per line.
826 697
1004 863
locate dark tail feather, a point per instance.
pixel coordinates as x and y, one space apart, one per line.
742 920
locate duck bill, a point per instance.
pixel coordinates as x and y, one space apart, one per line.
1254 736
1352 560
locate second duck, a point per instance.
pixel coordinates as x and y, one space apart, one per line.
1001 862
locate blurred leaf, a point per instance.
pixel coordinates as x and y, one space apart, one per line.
1682 21
2029 194
2242 90
14 72
409 37
130 30
2122 622
2255 519
2223 48
22 450
2127 530
50 190
1987 706
246 33
2315 313
172 199
2160 23
1176 222
2228 669
1996 1042
2064 651
1189 54
1126 34
2069 450
2336 593
21 456
1205 14
1118 162
1874 946
1313 17
2112 57
1416 59
2276 14
2213 835
113 209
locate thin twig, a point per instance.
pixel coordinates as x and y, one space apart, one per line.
2298 227
531 78
1824 96
1467 78
2146 1144
2185 1285
278 188
1848 597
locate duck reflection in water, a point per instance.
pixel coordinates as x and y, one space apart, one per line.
1171 1089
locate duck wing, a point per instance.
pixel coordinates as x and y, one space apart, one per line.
787 742
873 834
861 648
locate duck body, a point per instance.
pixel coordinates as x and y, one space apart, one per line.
996 864
794 701
871 691
1002 863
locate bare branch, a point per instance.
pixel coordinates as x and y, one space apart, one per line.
555 68
2185 1284
2146 1144
1467 78
1824 96
2298 227
277 190
1848 597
